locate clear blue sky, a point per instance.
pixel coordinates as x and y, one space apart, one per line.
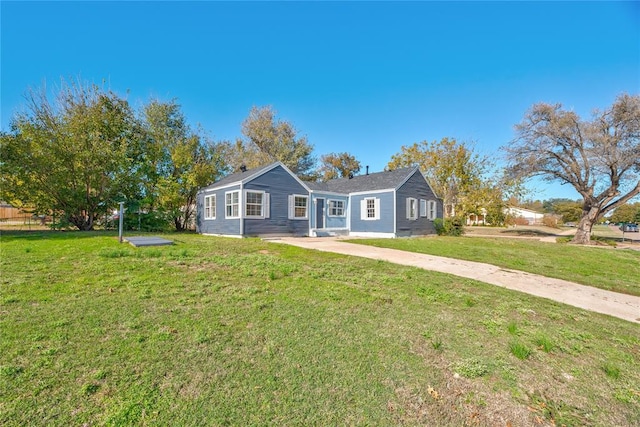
360 77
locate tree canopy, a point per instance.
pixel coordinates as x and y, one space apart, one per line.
451 167
268 139
178 162
600 157
338 165
629 212
78 155
71 156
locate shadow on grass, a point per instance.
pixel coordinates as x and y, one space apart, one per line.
528 232
11 235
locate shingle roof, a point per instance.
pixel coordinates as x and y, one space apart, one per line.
241 176
372 182
317 186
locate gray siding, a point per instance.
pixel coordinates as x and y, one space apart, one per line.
382 225
330 221
220 225
417 188
279 184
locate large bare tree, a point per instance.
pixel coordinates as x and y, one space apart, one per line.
600 157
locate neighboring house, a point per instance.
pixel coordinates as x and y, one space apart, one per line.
272 201
531 217
477 218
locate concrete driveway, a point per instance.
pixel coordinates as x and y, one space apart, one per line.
623 306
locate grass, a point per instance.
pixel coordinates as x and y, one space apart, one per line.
215 331
615 270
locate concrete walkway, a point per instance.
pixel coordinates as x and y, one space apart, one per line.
623 306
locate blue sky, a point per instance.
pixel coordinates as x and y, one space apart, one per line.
362 77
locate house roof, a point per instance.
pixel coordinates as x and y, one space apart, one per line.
385 180
245 176
374 181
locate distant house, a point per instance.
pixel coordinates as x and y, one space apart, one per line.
479 218
273 201
525 215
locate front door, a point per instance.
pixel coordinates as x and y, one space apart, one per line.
319 213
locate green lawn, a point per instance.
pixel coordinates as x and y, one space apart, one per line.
602 267
215 331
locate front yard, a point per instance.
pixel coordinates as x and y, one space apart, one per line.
216 331
602 267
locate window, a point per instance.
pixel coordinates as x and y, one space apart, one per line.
423 208
210 207
432 211
370 209
253 204
298 207
232 204
336 207
412 208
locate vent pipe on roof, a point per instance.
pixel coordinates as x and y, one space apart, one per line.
367 169
243 168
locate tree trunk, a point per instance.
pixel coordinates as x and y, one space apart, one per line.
81 223
583 233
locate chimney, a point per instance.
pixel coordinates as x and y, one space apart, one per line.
243 168
367 169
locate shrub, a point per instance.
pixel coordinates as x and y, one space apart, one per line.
152 221
449 226
550 221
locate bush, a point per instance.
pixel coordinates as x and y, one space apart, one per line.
550 221
449 226
151 221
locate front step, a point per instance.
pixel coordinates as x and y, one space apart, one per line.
330 233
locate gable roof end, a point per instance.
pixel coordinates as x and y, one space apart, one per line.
251 174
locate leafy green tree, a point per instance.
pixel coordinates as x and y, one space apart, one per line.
570 210
269 139
629 212
177 162
72 157
451 167
489 198
338 165
600 157
534 205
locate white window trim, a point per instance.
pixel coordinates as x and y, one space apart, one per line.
263 206
292 207
432 210
226 205
330 201
215 206
412 214
364 211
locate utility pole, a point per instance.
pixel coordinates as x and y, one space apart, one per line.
121 218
